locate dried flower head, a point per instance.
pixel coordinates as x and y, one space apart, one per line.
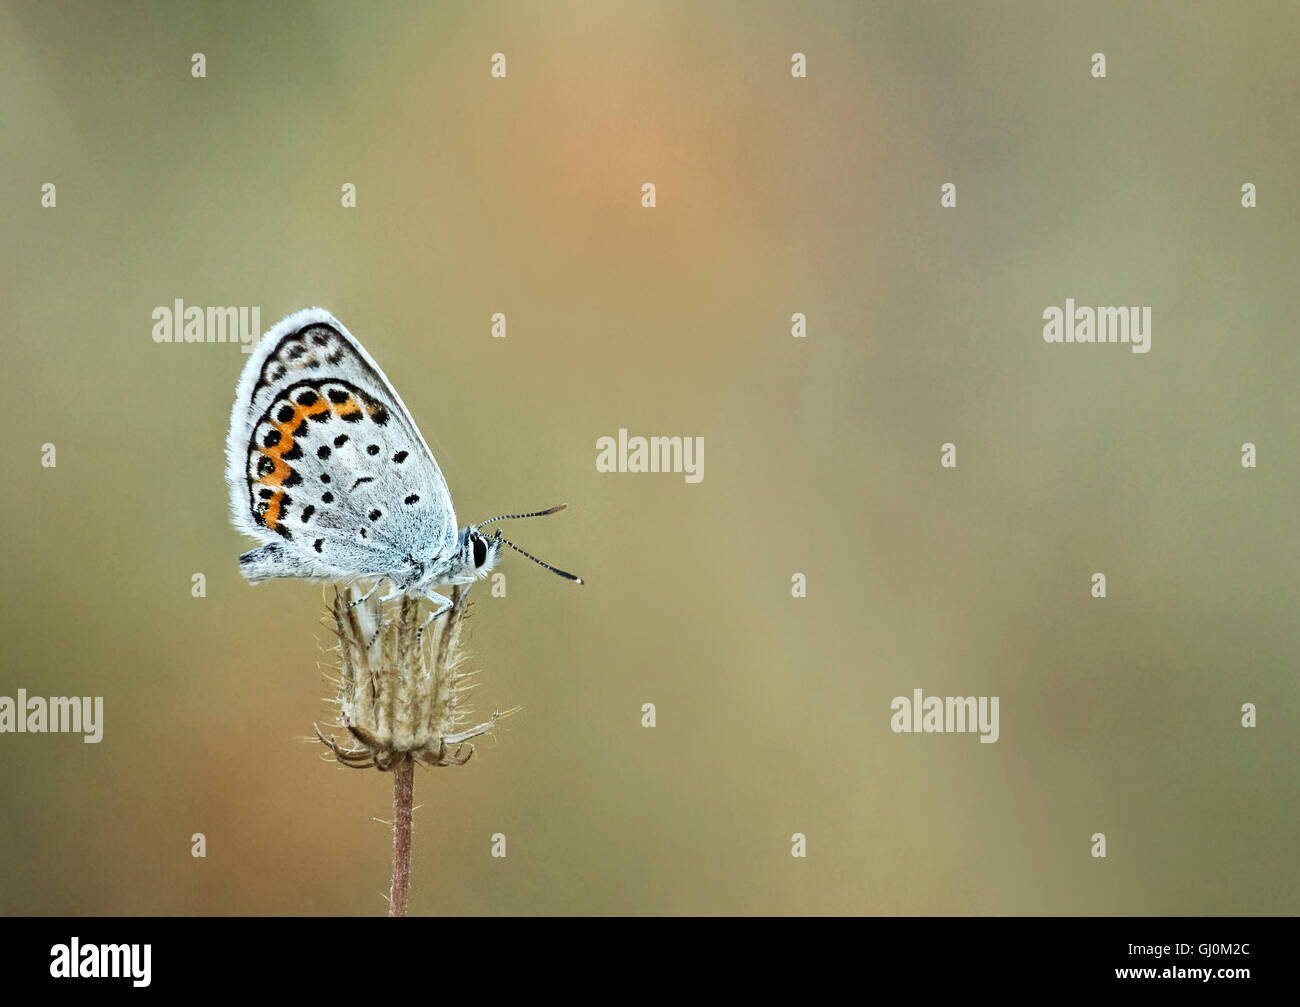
400 687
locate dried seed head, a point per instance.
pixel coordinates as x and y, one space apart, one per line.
398 683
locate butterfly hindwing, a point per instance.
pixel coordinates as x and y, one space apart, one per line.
325 465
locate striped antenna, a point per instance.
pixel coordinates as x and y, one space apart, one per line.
553 569
513 517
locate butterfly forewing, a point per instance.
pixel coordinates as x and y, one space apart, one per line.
325 460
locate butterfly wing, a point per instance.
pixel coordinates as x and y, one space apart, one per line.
325 465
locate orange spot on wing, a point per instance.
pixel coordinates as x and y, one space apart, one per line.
300 414
281 471
271 516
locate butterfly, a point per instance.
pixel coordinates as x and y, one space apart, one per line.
327 469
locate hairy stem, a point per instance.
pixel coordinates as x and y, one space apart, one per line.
403 798
404 767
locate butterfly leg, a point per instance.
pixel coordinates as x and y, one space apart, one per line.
441 605
392 595
366 597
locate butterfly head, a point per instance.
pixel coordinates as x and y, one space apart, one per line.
478 553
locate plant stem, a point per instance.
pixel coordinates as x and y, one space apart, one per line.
404 768
403 798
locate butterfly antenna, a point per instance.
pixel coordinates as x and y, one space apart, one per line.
512 517
553 569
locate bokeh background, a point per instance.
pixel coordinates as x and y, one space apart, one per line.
775 195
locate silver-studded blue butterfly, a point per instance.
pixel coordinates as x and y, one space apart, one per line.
329 472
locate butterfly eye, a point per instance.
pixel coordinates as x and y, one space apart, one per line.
480 551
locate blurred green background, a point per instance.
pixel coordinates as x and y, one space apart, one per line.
477 195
